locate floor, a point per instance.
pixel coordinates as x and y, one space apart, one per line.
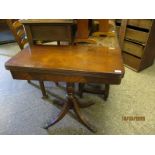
6 35
24 112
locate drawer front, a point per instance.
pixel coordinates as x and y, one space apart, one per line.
135 35
141 23
131 61
133 48
51 32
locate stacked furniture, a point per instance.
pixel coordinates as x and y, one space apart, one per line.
94 33
83 32
89 63
137 38
40 32
74 32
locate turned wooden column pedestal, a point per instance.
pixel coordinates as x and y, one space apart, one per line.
72 103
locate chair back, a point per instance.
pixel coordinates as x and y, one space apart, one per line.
18 31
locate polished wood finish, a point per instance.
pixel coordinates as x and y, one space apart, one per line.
104 28
48 30
103 25
83 31
98 62
71 103
84 64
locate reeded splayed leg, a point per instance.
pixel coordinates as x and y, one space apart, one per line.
63 112
76 107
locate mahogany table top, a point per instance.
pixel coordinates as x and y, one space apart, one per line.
83 60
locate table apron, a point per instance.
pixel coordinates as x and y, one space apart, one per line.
21 75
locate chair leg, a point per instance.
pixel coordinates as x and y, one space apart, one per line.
106 93
56 83
81 86
42 87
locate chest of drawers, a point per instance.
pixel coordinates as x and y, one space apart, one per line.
138 42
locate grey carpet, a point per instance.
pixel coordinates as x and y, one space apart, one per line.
9 49
24 112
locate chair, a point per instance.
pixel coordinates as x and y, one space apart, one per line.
20 36
18 31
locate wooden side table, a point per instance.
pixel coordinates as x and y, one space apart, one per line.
48 30
70 64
